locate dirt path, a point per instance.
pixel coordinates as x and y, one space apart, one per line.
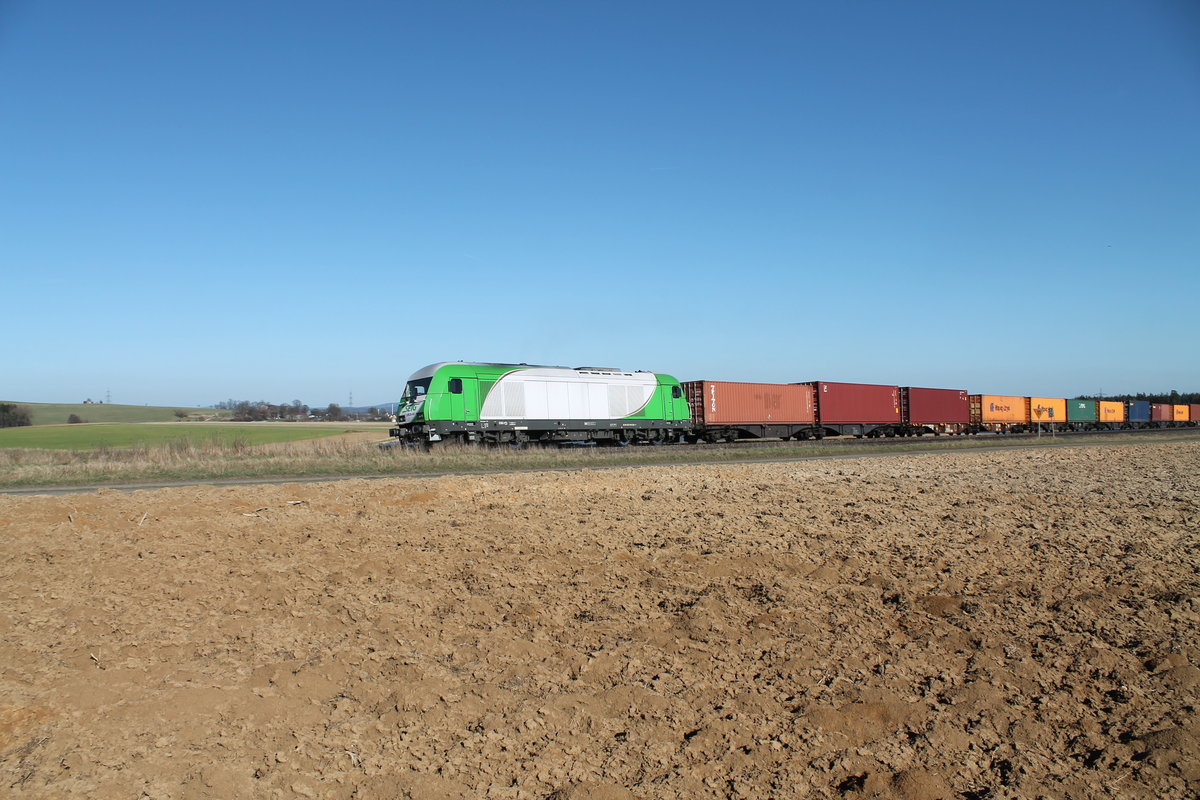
982 625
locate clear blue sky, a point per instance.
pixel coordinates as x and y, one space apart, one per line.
298 200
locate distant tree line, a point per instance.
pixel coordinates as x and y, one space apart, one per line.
261 410
1174 397
14 416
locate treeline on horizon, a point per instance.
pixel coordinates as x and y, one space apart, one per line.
260 410
1173 397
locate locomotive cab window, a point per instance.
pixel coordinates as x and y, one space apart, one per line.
416 389
455 386
676 392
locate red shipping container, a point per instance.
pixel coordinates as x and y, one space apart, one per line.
849 403
731 403
934 406
1194 412
1161 412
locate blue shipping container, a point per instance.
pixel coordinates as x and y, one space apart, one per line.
1139 410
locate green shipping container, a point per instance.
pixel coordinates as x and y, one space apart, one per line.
1081 411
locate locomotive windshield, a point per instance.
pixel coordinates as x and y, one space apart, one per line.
416 389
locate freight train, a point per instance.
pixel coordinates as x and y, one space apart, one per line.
521 403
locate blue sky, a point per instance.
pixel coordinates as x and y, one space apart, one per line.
297 200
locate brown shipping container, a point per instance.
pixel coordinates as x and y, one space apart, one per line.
847 403
1002 408
1111 410
1161 412
1194 412
1179 413
1047 409
729 403
935 406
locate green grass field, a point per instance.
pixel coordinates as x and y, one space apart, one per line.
119 435
60 413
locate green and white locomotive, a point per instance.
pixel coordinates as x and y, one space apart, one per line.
521 403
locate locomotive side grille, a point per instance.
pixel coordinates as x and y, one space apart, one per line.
514 399
624 400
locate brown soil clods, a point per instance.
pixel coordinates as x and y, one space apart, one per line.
1000 625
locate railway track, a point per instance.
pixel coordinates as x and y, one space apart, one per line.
885 441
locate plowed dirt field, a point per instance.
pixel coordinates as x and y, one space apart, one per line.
977 625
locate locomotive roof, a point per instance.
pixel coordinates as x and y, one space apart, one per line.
428 371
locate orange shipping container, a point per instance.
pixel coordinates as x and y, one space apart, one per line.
1180 413
728 403
1111 411
999 408
1047 409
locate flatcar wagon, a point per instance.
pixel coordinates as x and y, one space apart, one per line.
730 410
1137 413
999 413
1161 414
857 409
935 411
1083 415
1048 413
1111 414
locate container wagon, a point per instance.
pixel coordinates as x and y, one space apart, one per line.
1082 415
1048 413
1161 415
1111 414
727 411
999 413
1137 414
857 409
935 411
